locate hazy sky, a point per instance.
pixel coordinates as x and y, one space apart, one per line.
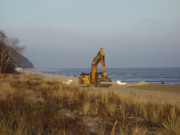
69 33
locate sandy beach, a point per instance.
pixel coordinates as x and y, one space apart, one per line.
36 72
141 90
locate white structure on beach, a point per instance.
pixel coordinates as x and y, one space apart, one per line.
120 83
68 82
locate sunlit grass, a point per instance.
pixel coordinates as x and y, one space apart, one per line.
32 105
86 107
169 127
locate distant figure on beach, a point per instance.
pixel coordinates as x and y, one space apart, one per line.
162 82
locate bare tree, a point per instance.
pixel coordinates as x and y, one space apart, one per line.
8 49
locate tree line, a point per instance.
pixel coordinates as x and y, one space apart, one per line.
8 50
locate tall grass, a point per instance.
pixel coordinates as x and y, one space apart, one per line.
86 107
169 127
32 105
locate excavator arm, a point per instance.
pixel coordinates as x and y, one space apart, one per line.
99 58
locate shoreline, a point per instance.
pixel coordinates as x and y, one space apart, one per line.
128 76
38 72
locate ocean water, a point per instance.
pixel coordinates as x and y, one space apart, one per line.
129 75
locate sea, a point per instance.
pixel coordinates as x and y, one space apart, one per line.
129 75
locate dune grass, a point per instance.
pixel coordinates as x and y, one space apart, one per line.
32 105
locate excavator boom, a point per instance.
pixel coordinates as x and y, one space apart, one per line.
99 58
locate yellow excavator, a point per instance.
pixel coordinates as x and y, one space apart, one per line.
96 78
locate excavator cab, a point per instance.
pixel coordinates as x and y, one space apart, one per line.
98 77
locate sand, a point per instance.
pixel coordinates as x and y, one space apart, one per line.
141 90
36 72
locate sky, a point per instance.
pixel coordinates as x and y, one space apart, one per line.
69 33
